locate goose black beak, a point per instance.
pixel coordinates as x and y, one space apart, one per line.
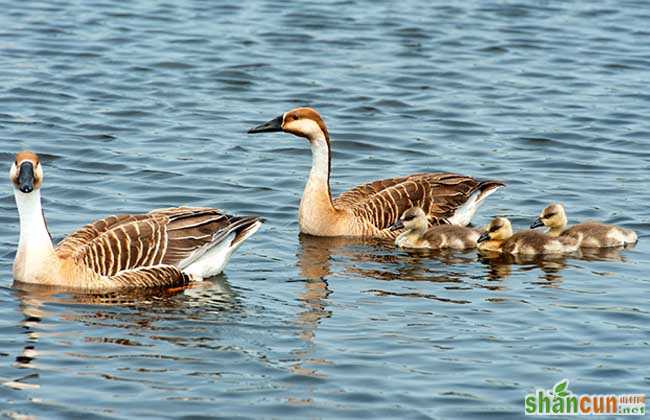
397 225
26 177
268 127
484 237
537 223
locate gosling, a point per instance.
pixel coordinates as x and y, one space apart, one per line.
498 237
418 234
594 234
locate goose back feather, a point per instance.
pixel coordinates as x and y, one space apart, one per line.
440 195
162 276
167 236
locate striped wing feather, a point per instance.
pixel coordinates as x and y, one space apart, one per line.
360 193
189 229
73 243
165 237
383 202
147 277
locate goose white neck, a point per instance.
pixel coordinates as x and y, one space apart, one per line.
316 207
35 244
320 167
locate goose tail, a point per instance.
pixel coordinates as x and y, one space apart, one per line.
486 188
210 259
464 214
630 236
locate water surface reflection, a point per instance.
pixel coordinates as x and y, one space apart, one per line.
127 318
322 258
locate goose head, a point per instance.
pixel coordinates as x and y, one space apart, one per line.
26 173
553 216
412 219
499 229
301 122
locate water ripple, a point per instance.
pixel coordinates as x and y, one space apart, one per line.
144 105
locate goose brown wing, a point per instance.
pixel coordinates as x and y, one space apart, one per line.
126 242
113 244
147 277
438 194
191 232
188 229
73 243
358 194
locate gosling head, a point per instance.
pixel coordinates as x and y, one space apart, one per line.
499 229
302 122
553 217
26 172
412 219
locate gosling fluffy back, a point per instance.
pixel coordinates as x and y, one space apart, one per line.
418 234
499 237
589 234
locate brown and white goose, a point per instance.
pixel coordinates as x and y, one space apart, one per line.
370 209
163 248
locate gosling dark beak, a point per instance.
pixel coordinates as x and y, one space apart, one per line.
485 236
537 223
26 177
397 225
268 127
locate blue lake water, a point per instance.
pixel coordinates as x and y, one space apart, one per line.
141 106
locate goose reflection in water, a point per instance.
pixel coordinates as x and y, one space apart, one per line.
604 254
213 291
25 361
361 257
500 266
314 266
107 311
374 258
322 258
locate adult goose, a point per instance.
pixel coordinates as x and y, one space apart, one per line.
370 209
162 248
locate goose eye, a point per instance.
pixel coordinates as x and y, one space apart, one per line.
548 216
495 228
